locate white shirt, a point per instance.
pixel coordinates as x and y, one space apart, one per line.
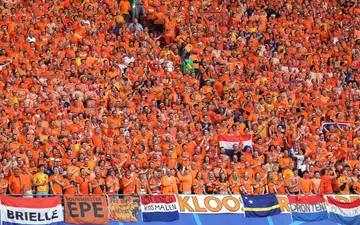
299 161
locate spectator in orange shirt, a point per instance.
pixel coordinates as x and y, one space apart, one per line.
234 183
128 183
306 186
271 185
143 186
69 186
26 181
257 186
280 184
246 184
3 184
15 185
316 182
293 184
356 185
56 182
185 182
198 184
211 185
223 185
112 183
326 182
97 184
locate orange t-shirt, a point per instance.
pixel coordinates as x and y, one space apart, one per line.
130 188
97 190
57 187
83 183
326 185
26 181
15 185
306 185
3 183
71 190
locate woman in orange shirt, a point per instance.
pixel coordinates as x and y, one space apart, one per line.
223 185
257 186
198 184
245 187
211 185
271 185
234 183
280 184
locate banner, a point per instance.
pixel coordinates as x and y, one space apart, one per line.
86 209
159 208
31 210
227 141
124 209
327 125
344 213
308 208
261 205
217 204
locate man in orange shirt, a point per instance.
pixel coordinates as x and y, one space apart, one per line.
185 181
26 181
112 183
128 183
69 186
83 182
56 182
97 186
15 184
125 9
167 183
306 186
326 182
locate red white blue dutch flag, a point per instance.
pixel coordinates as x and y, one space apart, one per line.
228 141
23 211
344 213
308 208
163 208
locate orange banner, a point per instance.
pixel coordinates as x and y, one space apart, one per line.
86 209
125 209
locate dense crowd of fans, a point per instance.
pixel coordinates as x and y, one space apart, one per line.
108 97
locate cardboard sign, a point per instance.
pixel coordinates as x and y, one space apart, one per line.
86 209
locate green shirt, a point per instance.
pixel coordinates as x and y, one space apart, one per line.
187 66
